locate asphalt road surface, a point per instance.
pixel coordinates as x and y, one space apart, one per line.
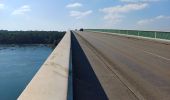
128 68
86 85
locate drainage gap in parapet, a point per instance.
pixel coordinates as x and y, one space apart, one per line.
86 86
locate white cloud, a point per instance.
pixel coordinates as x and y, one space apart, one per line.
134 1
22 10
152 20
2 6
79 14
116 18
124 8
116 13
74 5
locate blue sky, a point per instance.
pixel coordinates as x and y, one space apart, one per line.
71 14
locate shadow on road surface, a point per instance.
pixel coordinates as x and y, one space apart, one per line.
86 86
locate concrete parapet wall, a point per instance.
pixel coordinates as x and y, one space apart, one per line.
51 81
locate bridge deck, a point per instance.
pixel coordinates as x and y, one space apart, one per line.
86 85
128 68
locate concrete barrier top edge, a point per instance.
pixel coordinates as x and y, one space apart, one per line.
51 81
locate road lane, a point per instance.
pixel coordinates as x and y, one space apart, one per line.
157 55
143 65
113 87
86 85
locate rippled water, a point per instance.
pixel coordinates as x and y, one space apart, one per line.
18 64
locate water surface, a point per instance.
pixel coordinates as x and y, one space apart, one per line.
18 64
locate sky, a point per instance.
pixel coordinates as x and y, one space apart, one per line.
62 15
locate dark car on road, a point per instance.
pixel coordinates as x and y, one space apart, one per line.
81 29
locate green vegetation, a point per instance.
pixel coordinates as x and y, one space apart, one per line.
30 37
151 34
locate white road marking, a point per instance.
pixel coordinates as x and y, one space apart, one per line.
157 55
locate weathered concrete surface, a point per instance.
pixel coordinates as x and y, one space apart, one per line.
51 81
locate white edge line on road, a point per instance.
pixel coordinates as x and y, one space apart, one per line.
157 55
161 40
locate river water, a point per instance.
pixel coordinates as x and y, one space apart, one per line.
18 64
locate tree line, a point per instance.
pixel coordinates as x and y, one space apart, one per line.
30 37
